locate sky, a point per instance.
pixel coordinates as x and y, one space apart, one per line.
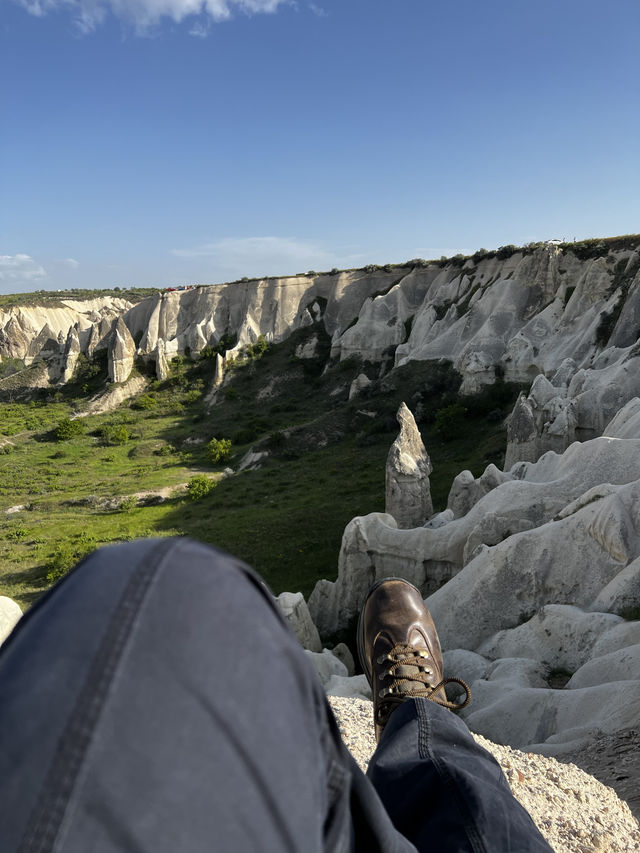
168 142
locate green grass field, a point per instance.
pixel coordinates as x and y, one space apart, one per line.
326 463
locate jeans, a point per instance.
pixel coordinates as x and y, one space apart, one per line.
155 701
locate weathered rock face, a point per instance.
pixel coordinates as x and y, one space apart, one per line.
70 355
575 404
499 509
43 347
296 612
10 613
520 316
408 496
14 340
122 350
162 366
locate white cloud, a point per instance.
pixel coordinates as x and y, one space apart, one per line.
70 262
255 256
249 251
199 30
20 269
318 10
145 14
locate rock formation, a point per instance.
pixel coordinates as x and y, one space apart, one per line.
574 404
122 350
518 314
492 510
162 366
70 355
10 613
408 496
296 612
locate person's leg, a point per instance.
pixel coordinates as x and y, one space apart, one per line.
441 789
156 701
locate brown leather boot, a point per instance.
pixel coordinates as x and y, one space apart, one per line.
400 651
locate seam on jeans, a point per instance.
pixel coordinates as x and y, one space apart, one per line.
424 728
74 742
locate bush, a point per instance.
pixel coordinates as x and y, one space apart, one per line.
65 558
18 533
219 450
146 402
114 434
67 429
200 486
449 421
257 349
192 396
128 503
245 435
231 393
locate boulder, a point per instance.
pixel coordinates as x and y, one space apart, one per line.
359 384
327 665
547 720
356 687
408 495
297 615
343 653
621 665
10 613
559 635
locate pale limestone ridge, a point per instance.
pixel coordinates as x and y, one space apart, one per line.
518 317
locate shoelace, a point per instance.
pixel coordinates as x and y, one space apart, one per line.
412 676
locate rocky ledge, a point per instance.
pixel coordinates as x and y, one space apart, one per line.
573 810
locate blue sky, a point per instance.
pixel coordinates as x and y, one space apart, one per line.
160 142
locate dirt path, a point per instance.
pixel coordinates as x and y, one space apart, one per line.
170 491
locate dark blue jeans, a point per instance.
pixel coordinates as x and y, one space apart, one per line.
155 701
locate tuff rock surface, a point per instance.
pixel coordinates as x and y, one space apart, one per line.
121 352
10 613
408 496
519 316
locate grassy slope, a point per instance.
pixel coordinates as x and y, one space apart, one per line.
286 519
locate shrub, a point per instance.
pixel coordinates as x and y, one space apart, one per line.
231 393
200 486
146 402
18 533
65 558
219 450
128 503
449 421
258 348
114 434
192 396
351 362
245 435
67 429
277 440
